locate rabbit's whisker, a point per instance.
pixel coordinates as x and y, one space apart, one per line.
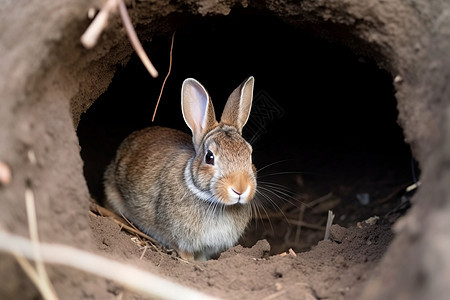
283 173
267 201
273 203
280 195
278 186
257 212
271 164
264 209
254 137
211 211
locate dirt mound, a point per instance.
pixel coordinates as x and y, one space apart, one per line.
334 269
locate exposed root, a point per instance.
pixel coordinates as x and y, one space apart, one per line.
135 40
90 37
165 79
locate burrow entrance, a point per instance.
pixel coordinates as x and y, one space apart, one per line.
323 124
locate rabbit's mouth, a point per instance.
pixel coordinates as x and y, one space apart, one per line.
236 188
236 196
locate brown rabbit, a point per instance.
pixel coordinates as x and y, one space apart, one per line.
189 193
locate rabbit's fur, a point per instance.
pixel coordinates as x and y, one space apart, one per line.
190 193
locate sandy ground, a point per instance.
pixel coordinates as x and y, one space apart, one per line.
334 269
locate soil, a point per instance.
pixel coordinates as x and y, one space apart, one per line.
251 273
48 81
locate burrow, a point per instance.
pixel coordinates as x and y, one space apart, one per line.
324 120
344 92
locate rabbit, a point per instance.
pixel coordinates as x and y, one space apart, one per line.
192 194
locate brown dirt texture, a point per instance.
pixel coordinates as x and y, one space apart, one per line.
251 273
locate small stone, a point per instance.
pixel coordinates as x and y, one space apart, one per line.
91 13
372 220
292 252
363 198
398 79
337 233
278 286
5 174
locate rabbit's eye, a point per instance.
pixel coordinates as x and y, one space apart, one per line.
209 158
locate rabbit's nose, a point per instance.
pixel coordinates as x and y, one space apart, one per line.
236 192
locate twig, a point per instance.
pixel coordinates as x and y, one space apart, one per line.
329 223
28 269
135 40
299 225
91 35
130 228
402 205
413 186
143 252
107 213
95 208
305 224
321 199
45 285
281 213
165 79
390 196
292 252
128 221
131 277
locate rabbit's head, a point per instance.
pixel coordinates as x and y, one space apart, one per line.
222 169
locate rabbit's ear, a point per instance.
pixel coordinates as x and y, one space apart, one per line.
197 108
239 104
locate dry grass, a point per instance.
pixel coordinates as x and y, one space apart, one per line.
329 223
122 221
38 274
125 275
44 285
133 278
295 217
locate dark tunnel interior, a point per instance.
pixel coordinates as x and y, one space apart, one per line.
323 121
